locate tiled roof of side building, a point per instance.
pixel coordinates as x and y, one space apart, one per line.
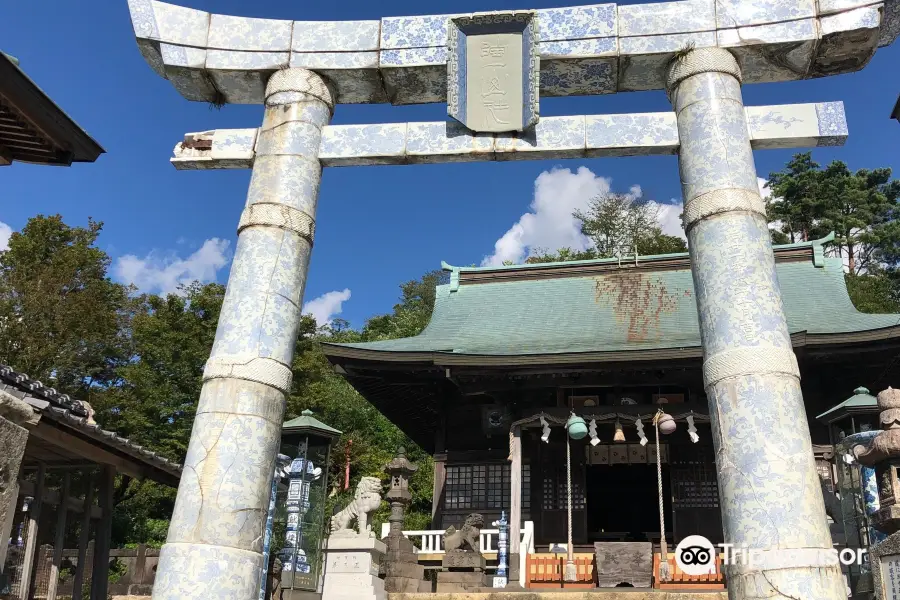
609 306
73 413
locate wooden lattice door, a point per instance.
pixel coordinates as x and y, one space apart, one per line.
553 493
695 492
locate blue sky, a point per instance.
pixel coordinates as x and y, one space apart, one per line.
376 226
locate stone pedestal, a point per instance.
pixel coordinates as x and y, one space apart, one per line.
402 570
351 568
462 572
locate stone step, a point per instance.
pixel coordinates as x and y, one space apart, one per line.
621 594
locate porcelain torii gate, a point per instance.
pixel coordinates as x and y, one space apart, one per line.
699 51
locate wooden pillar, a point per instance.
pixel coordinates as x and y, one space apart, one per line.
100 577
437 498
440 473
83 538
61 513
140 564
31 536
515 492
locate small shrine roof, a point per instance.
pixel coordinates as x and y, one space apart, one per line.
860 401
74 415
610 309
307 423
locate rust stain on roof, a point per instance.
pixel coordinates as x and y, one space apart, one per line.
638 300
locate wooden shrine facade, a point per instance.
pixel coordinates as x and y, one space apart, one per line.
604 338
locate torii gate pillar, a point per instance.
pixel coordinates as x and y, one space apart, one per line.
215 542
769 490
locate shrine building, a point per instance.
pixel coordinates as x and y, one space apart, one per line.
612 341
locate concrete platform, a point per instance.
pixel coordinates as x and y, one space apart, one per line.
619 594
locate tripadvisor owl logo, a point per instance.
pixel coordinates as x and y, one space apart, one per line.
696 555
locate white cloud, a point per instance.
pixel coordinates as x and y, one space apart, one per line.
163 273
670 217
327 306
549 224
764 189
5 232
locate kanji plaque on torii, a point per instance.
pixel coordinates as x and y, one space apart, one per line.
493 71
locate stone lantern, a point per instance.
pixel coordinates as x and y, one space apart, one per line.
398 496
883 454
402 570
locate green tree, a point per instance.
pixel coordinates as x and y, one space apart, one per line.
171 338
62 320
800 201
155 401
622 225
542 255
859 207
411 315
873 293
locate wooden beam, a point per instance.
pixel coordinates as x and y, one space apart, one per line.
100 577
83 538
515 490
31 538
5 156
75 504
74 444
61 512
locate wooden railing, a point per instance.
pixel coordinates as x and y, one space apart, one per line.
683 581
432 541
547 571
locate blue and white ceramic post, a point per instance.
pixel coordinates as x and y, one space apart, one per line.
501 579
214 548
769 490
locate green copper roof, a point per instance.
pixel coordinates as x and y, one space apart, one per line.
603 306
307 423
860 400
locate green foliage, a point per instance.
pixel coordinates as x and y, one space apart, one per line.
171 338
873 293
369 440
62 320
859 207
622 225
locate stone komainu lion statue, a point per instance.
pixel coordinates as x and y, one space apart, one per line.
465 539
366 500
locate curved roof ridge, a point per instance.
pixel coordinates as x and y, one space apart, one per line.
813 244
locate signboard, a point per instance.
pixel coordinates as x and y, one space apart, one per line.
890 576
493 71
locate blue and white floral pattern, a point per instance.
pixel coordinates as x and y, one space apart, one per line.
740 13
583 49
244 33
578 22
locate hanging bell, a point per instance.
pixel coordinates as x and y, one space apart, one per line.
576 427
620 435
666 424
